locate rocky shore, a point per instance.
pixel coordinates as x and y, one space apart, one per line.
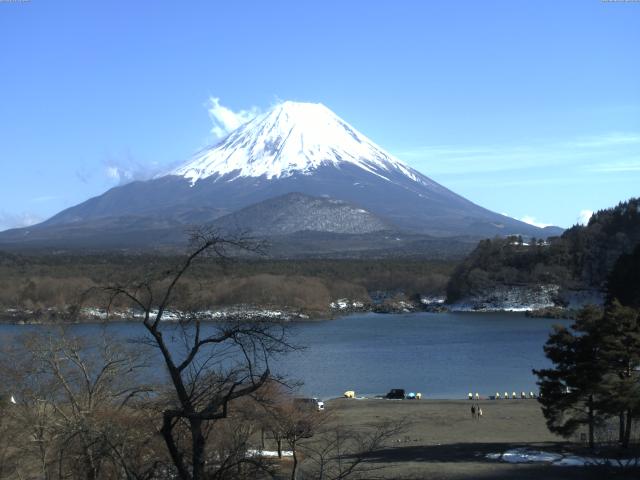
544 301
98 315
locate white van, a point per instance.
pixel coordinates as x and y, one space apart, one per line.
313 403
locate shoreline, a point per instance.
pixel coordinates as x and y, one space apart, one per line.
95 316
336 309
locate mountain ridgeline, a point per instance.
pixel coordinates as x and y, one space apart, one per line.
267 170
581 258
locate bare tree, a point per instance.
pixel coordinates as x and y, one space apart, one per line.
9 451
72 415
337 453
209 366
233 444
320 446
290 423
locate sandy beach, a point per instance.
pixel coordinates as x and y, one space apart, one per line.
443 441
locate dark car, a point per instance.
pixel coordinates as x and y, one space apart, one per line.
397 393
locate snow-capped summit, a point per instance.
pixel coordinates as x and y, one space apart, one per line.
280 172
292 137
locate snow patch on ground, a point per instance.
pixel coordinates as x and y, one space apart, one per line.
268 453
525 455
244 313
345 303
425 300
510 299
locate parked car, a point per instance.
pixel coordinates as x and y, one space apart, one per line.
309 403
396 393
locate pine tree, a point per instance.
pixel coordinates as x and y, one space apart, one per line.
569 391
623 282
620 357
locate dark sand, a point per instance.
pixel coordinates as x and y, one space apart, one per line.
442 441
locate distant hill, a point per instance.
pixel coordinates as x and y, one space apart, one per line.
296 212
581 258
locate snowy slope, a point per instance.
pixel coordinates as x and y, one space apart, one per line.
293 138
295 147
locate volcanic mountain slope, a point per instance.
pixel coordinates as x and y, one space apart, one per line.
296 212
295 147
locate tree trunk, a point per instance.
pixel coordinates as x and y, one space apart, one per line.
91 468
627 430
591 422
621 430
198 449
279 444
176 455
294 468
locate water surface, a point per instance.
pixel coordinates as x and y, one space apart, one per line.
443 355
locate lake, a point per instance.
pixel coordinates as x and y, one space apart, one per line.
441 355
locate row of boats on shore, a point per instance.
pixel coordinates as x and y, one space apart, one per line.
506 396
401 394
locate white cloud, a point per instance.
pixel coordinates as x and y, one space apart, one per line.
585 153
584 216
122 174
609 139
113 172
226 120
532 221
621 166
125 169
17 220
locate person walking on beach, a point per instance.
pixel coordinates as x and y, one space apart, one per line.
473 411
479 413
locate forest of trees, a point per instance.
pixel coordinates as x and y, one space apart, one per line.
40 282
581 258
595 378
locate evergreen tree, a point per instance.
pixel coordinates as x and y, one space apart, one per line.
620 357
624 281
569 391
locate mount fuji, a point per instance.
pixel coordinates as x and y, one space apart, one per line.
301 148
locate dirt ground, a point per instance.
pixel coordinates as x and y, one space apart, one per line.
443 441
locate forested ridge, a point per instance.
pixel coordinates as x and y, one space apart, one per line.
50 281
581 258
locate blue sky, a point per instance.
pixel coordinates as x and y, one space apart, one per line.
527 108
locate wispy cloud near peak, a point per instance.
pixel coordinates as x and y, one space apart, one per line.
125 169
533 221
17 220
226 120
584 216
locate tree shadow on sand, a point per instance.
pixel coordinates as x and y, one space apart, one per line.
458 454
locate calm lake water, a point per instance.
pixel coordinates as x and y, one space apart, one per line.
442 355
